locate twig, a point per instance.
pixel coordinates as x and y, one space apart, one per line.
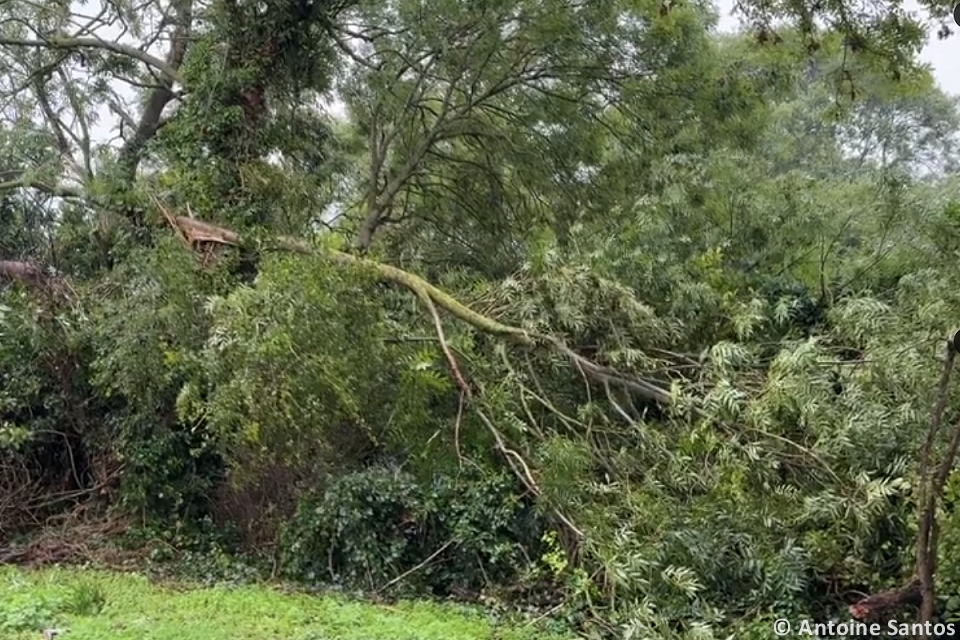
418 567
456 431
552 610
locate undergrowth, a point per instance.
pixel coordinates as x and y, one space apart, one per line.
93 605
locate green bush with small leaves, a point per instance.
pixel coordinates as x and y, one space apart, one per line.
366 529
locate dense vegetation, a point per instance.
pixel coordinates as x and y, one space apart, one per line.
581 309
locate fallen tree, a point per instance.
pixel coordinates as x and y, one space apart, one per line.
204 237
197 233
919 590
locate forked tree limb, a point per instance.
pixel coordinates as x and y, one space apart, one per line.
196 231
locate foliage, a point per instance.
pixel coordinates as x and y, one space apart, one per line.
147 344
367 528
291 360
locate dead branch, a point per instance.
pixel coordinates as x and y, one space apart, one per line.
413 570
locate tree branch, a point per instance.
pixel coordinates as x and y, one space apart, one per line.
197 232
921 590
53 190
62 42
160 96
930 488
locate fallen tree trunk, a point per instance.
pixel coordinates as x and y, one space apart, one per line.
882 605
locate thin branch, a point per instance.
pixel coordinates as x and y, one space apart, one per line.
419 566
84 140
62 42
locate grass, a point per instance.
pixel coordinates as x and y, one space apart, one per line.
95 605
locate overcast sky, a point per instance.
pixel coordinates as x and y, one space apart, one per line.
942 56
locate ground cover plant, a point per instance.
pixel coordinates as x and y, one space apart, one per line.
91 605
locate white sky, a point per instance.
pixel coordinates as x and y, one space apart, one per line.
944 57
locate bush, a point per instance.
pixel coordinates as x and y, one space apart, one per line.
366 528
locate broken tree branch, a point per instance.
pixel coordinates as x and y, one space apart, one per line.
197 232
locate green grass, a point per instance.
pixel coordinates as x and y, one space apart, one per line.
94 605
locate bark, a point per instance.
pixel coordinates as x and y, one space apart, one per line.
883 605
